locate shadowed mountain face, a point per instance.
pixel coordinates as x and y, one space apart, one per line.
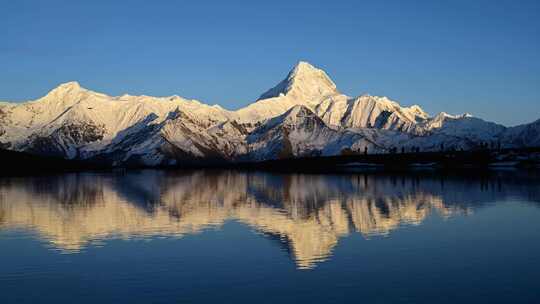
306 214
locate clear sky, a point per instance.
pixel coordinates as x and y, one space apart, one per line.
481 57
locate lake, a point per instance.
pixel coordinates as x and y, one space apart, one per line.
210 236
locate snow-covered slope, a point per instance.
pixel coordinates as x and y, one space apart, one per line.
300 132
369 112
303 115
462 126
527 135
178 138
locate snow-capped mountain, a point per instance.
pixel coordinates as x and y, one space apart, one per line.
303 115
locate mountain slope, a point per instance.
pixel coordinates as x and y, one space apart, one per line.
300 132
369 112
527 135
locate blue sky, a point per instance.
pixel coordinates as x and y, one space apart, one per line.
481 57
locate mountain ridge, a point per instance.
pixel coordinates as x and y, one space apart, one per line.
310 116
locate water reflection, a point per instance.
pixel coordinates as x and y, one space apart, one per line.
308 214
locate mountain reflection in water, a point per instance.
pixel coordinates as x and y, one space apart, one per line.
308 214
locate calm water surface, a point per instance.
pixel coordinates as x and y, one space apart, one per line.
233 237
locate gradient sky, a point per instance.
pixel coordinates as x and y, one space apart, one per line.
481 57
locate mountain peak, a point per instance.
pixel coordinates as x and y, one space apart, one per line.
70 85
304 82
66 93
304 66
67 87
